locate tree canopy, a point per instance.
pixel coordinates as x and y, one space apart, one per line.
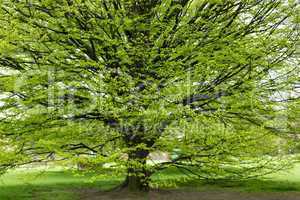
109 81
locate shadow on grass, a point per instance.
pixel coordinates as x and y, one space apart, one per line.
61 191
60 185
254 185
273 184
64 185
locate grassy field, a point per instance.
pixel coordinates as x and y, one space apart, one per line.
65 185
47 185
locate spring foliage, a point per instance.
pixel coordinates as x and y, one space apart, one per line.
108 81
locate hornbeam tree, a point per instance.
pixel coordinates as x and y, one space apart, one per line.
112 81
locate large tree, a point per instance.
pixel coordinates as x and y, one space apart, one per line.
110 81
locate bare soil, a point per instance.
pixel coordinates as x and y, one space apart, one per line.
89 194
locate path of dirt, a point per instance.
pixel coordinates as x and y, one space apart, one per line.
183 195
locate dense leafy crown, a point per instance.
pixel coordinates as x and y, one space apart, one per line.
207 81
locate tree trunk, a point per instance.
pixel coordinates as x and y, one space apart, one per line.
138 177
137 180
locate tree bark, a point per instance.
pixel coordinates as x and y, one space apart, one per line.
138 177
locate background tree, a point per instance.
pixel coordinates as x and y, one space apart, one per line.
120 79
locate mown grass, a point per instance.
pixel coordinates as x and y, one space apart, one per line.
284 181
64 184
48 185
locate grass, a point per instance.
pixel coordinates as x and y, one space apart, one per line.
64 185
47 185
286 181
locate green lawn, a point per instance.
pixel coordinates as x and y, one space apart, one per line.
47 185
64 185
